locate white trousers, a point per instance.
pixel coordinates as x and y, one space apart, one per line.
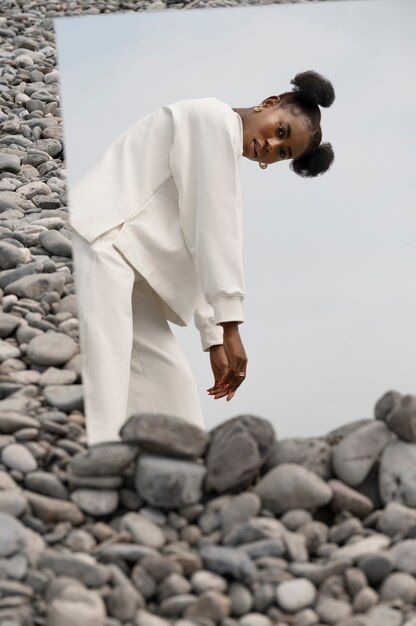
130 359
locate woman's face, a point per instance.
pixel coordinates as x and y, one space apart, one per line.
274 134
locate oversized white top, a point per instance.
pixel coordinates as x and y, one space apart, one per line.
172 179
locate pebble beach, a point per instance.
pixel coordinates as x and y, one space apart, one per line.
172 525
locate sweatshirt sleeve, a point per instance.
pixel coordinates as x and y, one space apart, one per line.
211 333
204 164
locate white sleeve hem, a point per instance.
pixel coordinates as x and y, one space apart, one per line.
228 309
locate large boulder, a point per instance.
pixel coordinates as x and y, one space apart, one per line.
238 450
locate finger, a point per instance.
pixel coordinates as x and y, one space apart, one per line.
219 384
231 394
220 389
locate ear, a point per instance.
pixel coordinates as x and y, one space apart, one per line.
271 101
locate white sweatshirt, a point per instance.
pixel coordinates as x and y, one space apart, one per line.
172 179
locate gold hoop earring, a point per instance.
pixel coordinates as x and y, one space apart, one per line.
263 165
259 107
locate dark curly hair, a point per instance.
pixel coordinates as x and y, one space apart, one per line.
311 91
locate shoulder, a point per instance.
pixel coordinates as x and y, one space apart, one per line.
208 110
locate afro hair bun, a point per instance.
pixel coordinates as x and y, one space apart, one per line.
314 88
315 162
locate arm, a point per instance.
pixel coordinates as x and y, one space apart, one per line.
211 333
204 164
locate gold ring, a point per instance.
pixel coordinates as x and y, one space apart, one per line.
241 374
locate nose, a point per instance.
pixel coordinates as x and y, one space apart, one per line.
272 144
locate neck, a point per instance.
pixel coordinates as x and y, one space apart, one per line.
242 111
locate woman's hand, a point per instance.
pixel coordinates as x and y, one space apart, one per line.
219 363
226 375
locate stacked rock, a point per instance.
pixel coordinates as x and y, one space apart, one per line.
173 525
170 525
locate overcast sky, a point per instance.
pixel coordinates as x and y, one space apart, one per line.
329 262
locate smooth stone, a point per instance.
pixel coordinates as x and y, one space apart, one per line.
316 534
376 566
65 397
204 580
355 580
127 551
346 498
35 286
404 556
355 455
145 618
18 457
80 566
211 604
8 351
165 434
9 163
312 452
386 404
124 599
318 572
263 597
294 519
365 599
264 547
397 473
12 535
96 502
51 348
95 482
241 598
8 324
143 530
255 619
56 376
254 529
340 533
362 547
296 547
395 519
399 585
238 448
382 615
294 595
242 507
13 502
332 610
289 486
107 459
51 510
80 540
11 255
54 242
76 605
47 484
227 561
402 418
168 483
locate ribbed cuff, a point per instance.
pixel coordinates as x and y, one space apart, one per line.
228 309
211 335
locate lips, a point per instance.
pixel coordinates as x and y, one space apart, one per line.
253 148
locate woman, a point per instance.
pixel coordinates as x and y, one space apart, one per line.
158 237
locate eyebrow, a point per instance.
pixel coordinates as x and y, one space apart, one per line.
289 130
289 149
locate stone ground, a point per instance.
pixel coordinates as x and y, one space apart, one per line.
231 527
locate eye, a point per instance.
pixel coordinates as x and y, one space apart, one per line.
280 131
282 153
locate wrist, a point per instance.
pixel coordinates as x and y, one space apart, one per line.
230 326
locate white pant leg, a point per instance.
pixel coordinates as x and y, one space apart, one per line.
161 379
130 359
104 285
